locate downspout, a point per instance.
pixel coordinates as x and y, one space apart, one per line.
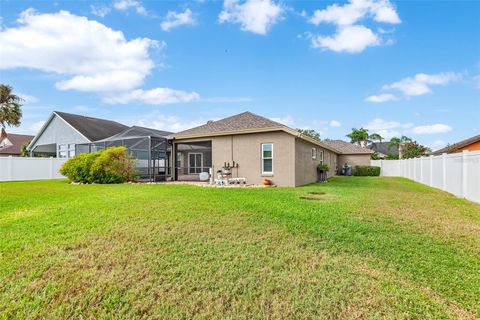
149 158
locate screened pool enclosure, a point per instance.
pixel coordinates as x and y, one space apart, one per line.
150 147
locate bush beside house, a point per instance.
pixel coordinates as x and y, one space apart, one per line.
370 171
112 165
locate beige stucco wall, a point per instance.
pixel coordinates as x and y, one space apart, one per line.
245 149
306 167
354 159
292 160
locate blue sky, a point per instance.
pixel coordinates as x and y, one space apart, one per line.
398 68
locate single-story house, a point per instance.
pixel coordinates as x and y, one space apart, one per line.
245 145
63 131
350 154
383 149
470 144
257 148
11 144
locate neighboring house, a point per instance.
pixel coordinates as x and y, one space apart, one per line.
12 144
350 154
256 147
383 149
470 144
63 131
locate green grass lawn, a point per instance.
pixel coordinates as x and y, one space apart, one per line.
367 248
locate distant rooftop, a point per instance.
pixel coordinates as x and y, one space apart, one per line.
344 147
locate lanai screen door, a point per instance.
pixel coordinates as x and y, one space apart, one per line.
195 163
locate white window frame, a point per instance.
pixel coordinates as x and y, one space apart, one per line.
195 167
62 148
71 148
321 156
266 158
314 153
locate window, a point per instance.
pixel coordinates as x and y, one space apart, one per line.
314 153
267 158
179 160
66 150
62 151
71 150
321 156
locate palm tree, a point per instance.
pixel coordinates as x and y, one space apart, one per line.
398 143
10 109
375 137
359 136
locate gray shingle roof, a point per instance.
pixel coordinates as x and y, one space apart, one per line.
383 147
239 122
346 147
137 132
92 128
17 141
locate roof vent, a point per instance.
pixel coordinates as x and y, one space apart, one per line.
209 121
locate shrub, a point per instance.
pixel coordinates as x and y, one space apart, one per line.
113 165
324 167
77 169
366 171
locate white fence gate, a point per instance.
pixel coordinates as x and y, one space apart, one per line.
20 168
457 173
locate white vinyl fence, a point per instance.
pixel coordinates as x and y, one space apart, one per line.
457 173
20 168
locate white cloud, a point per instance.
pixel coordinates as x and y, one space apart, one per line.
156 96
256 16
350 39
176 19
335 124
432 129
31 128
421 82
169 123
287 120
384 97
387 129
350 36
27 98
94 57
99 10
355 10
438 144
124 5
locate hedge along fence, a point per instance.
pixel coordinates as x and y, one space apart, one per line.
112 165
457 173
366 171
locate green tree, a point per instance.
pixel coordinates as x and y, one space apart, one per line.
359 136
413 149
10 109
310 133
398 143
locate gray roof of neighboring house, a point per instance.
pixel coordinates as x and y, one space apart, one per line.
137 132
17 141
239 122
384 148
457 145
92 128
344 147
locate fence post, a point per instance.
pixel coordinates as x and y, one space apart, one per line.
421 170
10 168
51 167
431 170
444 171
464 173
